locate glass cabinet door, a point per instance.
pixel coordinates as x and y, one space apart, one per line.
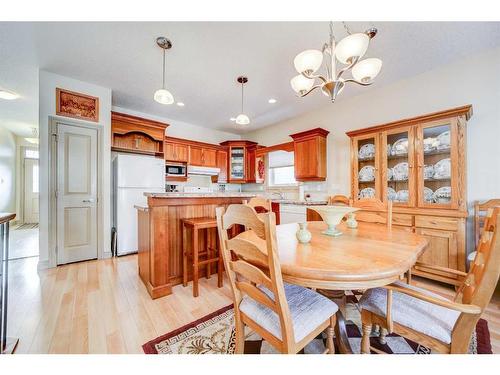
237 163
366 179
437 159
397 171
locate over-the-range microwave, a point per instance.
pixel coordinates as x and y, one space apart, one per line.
175 170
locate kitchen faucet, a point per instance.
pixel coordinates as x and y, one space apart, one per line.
279 193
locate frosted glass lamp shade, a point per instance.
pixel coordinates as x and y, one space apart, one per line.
301 84
163 96
308 61
366 70
242 119
354 45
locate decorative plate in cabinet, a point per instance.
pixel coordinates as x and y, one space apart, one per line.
367 173
442 195
400 172
442 169
366 151
367 193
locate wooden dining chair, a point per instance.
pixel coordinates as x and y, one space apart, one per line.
339 200
260 204
373 210
430 319
480 213
287 316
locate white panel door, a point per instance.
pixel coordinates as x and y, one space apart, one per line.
31 194
76 193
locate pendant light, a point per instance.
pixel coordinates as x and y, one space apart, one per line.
242 119
163 96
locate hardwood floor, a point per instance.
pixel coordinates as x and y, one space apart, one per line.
103 307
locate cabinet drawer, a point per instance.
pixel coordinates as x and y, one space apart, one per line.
435 222
402 219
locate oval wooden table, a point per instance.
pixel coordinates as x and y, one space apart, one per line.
363 258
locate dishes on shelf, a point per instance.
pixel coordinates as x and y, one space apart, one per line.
367 193
403 196
442 169
400 147
367 173
428 171
444 140
429 144
367 151
389 150
400 172
391 194
389 174
442 195
428 195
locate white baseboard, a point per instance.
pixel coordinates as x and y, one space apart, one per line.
43 265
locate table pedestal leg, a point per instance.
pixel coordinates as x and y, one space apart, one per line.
341 338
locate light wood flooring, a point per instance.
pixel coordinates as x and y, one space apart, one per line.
103 307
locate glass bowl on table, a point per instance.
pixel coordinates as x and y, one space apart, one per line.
332 216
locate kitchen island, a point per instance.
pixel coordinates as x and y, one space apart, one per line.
160 234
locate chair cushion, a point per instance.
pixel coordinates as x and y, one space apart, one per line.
308 310
424 317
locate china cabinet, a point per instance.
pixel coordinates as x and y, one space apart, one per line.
419 164
241 161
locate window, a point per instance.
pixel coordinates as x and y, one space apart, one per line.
281 169
31 153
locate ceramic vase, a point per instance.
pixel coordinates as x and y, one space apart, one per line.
351 222
303 235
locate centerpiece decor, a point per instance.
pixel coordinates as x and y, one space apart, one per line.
332 216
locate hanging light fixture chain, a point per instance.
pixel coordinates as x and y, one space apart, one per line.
242 93
346 28
163 81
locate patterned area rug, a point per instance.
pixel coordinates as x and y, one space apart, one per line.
26 226
214 334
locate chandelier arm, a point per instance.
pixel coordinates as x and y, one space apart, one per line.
310 90
346 68
358 82
312 76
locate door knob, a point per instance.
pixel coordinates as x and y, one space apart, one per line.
88 201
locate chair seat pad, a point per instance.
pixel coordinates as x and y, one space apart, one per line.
308 310
424 317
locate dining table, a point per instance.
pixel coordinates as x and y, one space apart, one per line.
368 256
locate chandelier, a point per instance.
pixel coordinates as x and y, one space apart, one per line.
163 96
349 52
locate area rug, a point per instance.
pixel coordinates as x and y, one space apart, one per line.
214 334
26 226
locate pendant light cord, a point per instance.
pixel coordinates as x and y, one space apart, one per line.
163 82
242 96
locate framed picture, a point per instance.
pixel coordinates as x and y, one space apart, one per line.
76 105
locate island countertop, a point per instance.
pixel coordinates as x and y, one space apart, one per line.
200 195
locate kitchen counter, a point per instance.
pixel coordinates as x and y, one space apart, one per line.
300 203
200 195
160 237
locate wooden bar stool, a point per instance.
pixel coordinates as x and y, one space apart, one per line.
211 253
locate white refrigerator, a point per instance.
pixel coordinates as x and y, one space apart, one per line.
133 175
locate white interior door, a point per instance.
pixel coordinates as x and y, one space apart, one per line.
31 213
76 193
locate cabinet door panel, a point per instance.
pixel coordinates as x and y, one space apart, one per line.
222 165
170 151
195 155
442 248
181 153
366 156
306 159
209 158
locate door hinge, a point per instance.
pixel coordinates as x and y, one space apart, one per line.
56 138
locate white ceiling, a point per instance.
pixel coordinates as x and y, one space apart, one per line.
205 60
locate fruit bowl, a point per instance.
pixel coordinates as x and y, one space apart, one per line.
332 216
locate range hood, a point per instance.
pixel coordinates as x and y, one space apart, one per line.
204 171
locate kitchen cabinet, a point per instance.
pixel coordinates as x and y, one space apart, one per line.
202 156
222 165
419 164
137 135
176 152
241 161
310 154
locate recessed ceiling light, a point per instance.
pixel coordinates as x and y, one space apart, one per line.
232 119
8 95
272 101
180 104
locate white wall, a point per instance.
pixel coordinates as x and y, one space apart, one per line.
7 171
185 130
21 144
473 81
47 107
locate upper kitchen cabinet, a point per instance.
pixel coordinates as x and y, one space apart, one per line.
202 156
241 161
176 152
310 154
137 135
222 165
